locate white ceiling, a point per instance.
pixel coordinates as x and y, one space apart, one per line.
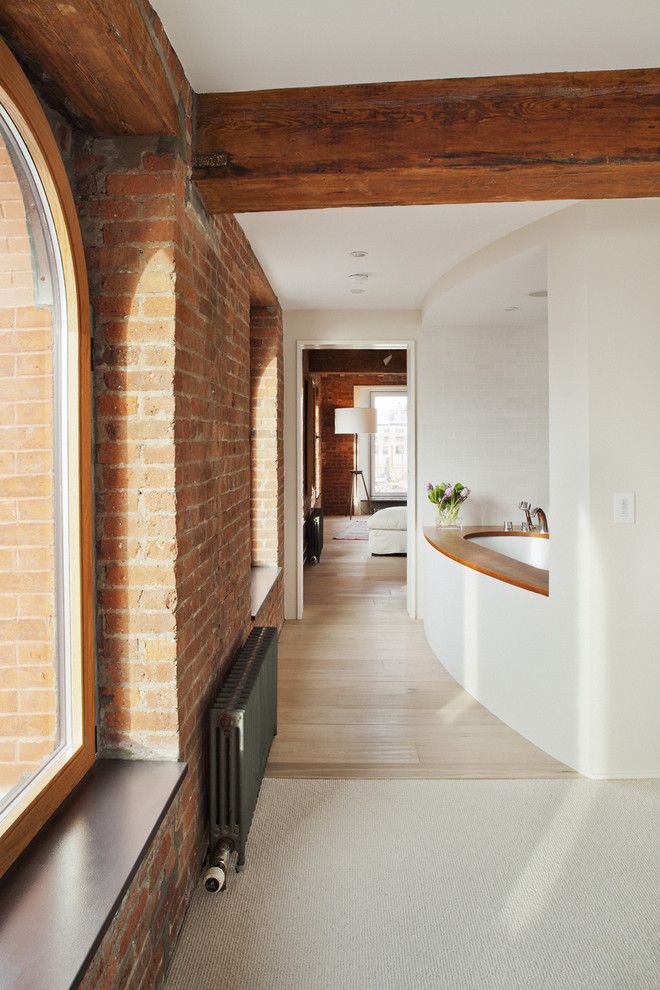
306 253
261 44
496 296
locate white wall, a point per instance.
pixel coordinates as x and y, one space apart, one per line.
483 418
589 693
623 284
503 644
350 327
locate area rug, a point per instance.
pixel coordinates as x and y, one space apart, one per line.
357 529
436 885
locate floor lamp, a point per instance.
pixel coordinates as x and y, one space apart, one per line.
358 419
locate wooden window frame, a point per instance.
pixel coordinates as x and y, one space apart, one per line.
22 105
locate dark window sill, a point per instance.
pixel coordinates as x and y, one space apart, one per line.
262 580
60 896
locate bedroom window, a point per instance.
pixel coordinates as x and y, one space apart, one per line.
389 445
46 696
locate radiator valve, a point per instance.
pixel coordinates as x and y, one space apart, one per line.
216 875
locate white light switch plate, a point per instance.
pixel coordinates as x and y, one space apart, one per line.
624 507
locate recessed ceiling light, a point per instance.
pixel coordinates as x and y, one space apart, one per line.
358 282
511 309
538 294
358 254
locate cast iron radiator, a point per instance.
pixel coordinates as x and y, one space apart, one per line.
314 536
243 724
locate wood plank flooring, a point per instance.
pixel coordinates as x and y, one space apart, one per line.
362 695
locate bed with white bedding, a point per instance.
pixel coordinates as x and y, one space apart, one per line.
388 531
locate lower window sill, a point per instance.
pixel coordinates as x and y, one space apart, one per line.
262 581
59 898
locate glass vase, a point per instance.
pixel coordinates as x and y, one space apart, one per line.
448 516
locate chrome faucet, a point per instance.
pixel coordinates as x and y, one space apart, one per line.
530 513
542 520
526 508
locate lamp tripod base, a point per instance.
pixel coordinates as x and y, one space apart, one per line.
355 493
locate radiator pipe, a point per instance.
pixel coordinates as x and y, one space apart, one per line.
216 875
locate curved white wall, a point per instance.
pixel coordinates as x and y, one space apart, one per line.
585 680
512 650
581 676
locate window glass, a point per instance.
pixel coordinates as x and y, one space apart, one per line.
34 692
389 446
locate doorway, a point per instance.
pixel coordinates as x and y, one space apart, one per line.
303 446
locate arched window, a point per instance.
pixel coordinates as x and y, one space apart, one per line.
46 586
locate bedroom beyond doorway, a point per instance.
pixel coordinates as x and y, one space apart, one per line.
356 455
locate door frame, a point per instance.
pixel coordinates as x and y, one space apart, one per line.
411 382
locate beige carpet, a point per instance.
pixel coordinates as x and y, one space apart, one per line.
425 885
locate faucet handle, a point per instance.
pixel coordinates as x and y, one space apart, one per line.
525 506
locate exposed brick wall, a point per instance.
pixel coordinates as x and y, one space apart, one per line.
128 210
171 316
267 455
136 949
128 194
170 291
212 427
272 610
267 452
337 448
28 689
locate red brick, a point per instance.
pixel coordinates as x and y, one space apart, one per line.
139 231
153 162
140 184
174 407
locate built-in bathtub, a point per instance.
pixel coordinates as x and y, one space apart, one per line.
492 623
519 558
534 551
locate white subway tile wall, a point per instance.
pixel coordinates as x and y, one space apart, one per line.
483 417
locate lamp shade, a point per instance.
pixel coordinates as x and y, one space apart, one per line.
358 419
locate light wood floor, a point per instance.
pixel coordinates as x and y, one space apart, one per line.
362 695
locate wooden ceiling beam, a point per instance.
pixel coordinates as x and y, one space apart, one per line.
338 361
98 59
509 138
